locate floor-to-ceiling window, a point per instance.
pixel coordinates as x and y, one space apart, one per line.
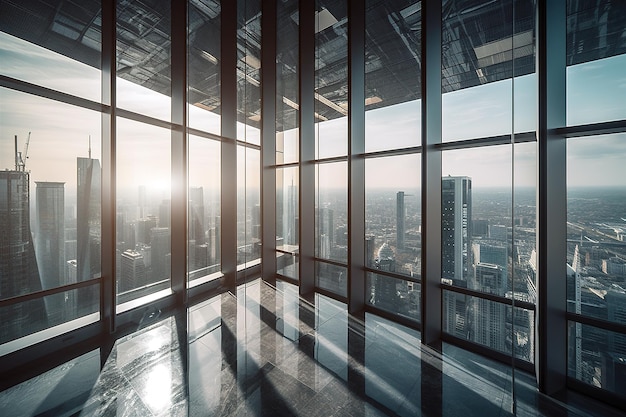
55 104
596 196
393 235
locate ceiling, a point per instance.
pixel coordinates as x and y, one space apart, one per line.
482 41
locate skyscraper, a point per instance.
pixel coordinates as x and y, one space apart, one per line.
88 228
325 232
50 243
133 271
400 215
456 262
489 325
161 253
292 215
88 217
19 273
196 215
456 236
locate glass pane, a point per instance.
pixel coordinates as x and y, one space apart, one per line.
598 357
596 58
49 198
248 205
204 78
28 317
524 224
143 209
394 295
392 74
288 264
331 216
332 278
249 71
393 240
287 213
53 44
490 324
287 83
484 48
144 57
203 254
331 78
596 226
476 218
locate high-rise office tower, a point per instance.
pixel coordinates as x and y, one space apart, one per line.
142 201
133 271
88 228
161 253
144 229
385 292
456 234
292 215
88 217
489 324
19 273
50 242
493 253
456 262
370 250
165 210
196 215
325 231
50 238
400 215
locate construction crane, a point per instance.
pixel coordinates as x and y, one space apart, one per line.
21 157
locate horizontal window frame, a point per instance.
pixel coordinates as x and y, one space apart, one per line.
610 326
509 302
44 293
395 275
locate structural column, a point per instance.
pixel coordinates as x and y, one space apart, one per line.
178 204
108 74
228 63
431 173
356 160
307 146
550 320
268 140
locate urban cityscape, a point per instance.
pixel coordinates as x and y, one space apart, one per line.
486 247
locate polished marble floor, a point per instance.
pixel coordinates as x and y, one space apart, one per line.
267 352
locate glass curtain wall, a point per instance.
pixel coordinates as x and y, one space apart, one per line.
248 132
143 232
393 183
50 178
596 197
331 141
488 183
204 159
287 140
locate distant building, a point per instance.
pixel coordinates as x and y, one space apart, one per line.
400 218
614 266
385 291
456 234
161 253
489 321
50 243
133 271
19 273
88 224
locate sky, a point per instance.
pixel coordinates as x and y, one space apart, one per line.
60 133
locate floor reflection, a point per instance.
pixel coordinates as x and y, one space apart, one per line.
266 351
